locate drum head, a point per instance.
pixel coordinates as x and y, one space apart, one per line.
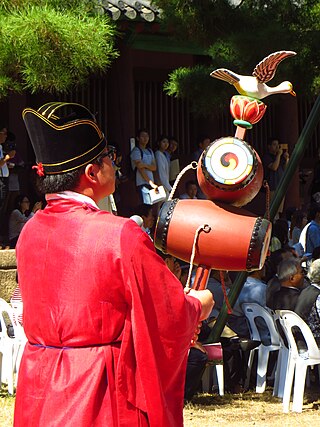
229 163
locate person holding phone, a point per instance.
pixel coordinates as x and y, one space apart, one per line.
275 162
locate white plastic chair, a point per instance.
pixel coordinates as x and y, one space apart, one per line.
215 360
252 312
282 361
298 361
11 348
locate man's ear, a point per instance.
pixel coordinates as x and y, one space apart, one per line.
91 171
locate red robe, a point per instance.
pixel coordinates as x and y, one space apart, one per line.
108 324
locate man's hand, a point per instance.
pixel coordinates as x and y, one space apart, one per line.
206 299
9 155
199 346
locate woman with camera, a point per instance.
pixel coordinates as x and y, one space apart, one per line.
19 217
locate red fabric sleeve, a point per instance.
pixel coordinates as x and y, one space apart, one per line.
156 337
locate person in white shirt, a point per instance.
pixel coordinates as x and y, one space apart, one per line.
4 158
163 167
191 191
143 162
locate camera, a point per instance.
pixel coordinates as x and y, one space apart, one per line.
284 147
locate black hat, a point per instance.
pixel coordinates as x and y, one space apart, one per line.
64 136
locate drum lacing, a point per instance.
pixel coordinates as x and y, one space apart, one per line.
266 185
192 165
223 285
206 228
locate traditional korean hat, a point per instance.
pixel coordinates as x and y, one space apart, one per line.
64 136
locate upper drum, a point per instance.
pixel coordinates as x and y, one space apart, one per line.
230 171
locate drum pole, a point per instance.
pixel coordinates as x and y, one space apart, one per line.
294 161
201 278
240 132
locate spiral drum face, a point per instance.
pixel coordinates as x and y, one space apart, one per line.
230 171
236 241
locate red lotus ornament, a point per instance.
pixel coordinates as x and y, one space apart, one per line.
246 110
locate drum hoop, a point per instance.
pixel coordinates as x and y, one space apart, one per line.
226 187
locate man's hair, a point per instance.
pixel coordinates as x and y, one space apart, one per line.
59 182
313 210
287 268
314 271
67 181
316 253
189 183
139 131
201 138
271 139
143 210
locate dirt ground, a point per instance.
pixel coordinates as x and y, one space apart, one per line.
250 409
210 410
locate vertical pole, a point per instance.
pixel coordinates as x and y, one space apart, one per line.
296 158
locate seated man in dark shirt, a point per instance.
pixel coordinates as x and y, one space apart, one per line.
291 277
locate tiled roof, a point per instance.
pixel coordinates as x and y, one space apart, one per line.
131 9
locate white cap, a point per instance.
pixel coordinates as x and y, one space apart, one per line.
137 219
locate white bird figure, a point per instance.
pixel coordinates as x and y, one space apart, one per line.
255 86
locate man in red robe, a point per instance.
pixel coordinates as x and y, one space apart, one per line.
108 325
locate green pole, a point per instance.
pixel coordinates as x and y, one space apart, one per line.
294 161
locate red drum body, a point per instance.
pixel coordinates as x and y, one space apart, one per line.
230 171
236 241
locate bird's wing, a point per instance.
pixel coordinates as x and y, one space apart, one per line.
266 68
226 75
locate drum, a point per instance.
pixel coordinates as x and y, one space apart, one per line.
233 239
230 171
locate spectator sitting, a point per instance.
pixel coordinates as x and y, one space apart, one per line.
298 221
291 278
308 303
279 237
146 213
253 290
271 264
215 287
19 217
191 191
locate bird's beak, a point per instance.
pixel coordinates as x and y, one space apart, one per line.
292 92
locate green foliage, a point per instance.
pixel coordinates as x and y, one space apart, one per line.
239 37
196 85
51 49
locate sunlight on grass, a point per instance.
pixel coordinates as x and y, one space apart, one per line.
6 408
211 410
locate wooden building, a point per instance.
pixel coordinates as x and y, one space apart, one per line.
130 95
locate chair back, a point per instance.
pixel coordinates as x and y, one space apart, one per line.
281 332
290 320
7 318
254 313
